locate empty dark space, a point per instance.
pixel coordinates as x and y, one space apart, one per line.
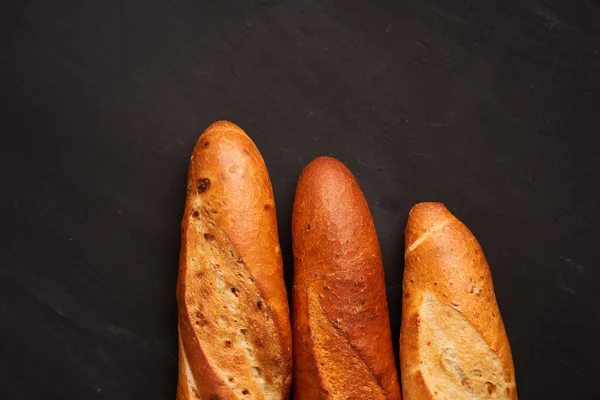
492 107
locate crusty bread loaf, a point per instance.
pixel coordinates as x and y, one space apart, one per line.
452 341
341 329
234 329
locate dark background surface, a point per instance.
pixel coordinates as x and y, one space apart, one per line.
492 107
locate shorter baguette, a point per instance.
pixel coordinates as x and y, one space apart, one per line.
452 341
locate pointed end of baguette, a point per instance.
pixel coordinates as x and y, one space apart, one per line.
424 220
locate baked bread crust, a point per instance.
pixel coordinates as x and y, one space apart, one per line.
341 328
453 344
234 329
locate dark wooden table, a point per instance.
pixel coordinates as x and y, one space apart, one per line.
492 107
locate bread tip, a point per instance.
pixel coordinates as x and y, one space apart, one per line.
428 205
324 171
223 124
323 164
423 217
324 161
223 128
217 131
427 208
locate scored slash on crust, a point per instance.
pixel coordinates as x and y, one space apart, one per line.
426 235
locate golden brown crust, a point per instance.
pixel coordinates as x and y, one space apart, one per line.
342 340
234 326
452 339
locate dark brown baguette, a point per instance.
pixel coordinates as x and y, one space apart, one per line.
341 329
452 341
234 330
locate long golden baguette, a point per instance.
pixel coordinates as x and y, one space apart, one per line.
452 341
341 328
234 329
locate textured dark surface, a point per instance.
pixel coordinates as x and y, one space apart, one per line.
492 107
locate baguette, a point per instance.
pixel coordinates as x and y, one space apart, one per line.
452 340
341 329
234 329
